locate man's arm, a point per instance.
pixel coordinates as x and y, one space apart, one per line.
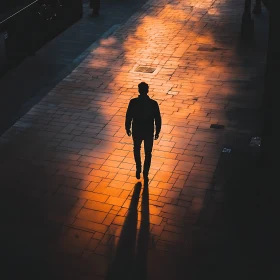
157 119
128 118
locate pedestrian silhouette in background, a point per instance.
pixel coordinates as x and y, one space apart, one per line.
144 114
95 6
258 7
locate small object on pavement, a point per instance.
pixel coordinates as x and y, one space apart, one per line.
256 141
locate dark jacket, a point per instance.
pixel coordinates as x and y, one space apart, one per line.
145 114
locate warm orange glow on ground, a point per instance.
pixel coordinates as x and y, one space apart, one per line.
168 38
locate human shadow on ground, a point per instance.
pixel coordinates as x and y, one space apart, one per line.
140 265
131 262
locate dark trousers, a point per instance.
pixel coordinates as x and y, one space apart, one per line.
95 5
148 147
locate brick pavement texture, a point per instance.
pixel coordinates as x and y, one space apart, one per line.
72 204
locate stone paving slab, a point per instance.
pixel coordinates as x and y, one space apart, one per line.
68 169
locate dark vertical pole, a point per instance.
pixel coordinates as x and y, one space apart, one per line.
247 28
269 148
270 107
247 9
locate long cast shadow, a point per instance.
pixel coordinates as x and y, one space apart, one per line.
122 265
127 264
140 265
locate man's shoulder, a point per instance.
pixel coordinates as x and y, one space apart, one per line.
133 100
154 102
136 99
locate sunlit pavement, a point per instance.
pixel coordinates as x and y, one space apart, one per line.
72 205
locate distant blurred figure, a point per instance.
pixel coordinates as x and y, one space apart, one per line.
257 8
95 6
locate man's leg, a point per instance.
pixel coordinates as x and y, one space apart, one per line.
95 5
137 155
148 146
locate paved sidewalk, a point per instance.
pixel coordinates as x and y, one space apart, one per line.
72 206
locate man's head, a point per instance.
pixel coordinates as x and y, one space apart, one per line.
143 88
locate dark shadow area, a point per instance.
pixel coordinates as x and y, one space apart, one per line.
33 210
25 229
130 261
228 242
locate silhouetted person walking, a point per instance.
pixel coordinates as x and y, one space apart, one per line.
145 115
258 7
95 6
